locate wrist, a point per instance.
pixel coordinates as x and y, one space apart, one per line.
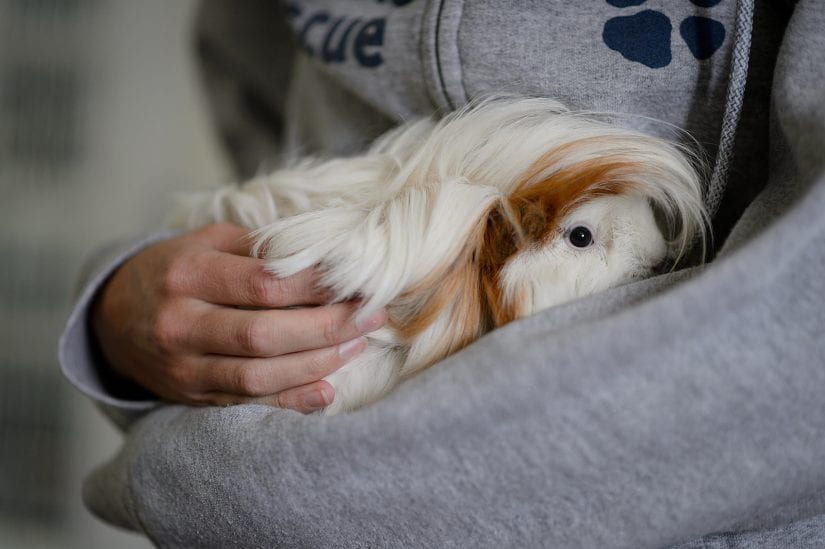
114 376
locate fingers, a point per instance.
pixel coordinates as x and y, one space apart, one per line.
168 320
309 398
226 237
222 273
269 333
305 399
262 378
226 279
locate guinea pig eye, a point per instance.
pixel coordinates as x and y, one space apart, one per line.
580 236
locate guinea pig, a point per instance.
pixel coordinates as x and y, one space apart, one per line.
461 225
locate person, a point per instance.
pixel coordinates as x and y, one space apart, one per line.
681 410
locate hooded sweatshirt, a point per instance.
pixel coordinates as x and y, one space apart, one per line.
683 409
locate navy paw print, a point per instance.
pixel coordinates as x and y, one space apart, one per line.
645 36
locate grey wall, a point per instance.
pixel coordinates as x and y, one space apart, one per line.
101 120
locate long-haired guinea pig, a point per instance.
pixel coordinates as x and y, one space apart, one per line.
459 226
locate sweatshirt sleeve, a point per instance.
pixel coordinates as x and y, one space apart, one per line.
616 421
644 426
81 362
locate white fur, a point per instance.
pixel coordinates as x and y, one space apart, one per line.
628 245
380 224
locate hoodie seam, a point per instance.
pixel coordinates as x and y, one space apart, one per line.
439 66
439 50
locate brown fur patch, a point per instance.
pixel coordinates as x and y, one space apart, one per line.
503 238
455 286
533 211
545 194
469 286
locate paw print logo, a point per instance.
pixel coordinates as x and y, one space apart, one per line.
645 37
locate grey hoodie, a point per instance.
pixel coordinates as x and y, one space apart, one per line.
685 407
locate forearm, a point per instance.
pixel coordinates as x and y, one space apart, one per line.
584 426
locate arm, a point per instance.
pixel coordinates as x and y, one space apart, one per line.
565 446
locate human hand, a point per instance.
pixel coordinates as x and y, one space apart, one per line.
194 319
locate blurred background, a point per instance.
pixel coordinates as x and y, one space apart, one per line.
101 120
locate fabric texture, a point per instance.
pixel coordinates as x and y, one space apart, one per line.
684 407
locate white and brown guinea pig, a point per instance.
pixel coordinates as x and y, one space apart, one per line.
459 226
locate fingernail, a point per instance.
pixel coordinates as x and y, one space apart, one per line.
318 398
372 322
350 349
